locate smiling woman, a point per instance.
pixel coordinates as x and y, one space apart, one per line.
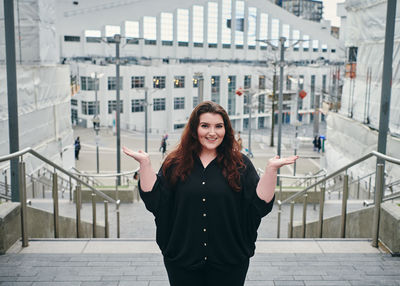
208 201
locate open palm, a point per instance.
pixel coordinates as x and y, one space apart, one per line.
277 162
139 156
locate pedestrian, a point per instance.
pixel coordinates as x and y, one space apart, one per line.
315 142
239 141
135 186
77 145
319 144
208 201
163 146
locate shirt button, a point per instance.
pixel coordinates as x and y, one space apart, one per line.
205 258
204 199
205 244
204 229
204 214
203 183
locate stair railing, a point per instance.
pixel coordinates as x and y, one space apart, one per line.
79 182
379 183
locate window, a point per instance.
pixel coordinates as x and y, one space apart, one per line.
247 82
183 27
261 103
306 43
324 83
231 94
215 88
226 17
261 82
112 83
87 83
93 36
239 25
89 107
74 116
195 101
198 16
288 83
315 44
137 105
132 32
110 31
137 82
275 32
324 48
353 54
286 34
263 30
72 39
179 126
179 81
252 27
296 38
179 103
212 28
74 102
158 81
167 32
150 30
158 104
112 105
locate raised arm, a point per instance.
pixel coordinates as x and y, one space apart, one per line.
266 185
147 175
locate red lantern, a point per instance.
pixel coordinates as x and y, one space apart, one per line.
239 92
302 94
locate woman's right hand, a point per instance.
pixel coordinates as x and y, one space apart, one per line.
140 156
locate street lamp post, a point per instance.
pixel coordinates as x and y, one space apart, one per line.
145 119
117 39
96 122
281 65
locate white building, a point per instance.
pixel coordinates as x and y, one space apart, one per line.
165 44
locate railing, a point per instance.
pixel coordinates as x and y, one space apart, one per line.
380 186
79 182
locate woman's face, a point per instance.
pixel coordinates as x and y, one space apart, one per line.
211 131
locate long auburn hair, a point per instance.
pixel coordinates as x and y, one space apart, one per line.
181 159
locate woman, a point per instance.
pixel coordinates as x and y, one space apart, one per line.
208 201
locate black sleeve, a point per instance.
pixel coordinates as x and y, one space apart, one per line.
258 207
158 194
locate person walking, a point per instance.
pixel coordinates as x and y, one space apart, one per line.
77 145
163 146
239 141
208 201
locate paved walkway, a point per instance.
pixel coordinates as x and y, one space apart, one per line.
138 263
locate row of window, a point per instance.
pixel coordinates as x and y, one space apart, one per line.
88 83
137 105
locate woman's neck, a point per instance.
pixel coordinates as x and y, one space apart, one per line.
207 156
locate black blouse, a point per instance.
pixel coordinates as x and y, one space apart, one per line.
202 220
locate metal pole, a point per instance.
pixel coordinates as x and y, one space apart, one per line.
344 205
145 119
70 189
249 125
273 108
78 210
22 195
106 225
12 96
281 64
378 199
321 211
94 215
118 222
295 148
278 231
386 89
304 216
55 206
291 219
117 39
97 122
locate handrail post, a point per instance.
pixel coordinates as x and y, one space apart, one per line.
22 195
291 219
55 206
321 210
278 231
378 199
116 189
78 210
6 183
344 205
304 216
33 187
358 188
106 226
118 221
369 187
280 189
94 214
315 190
70 189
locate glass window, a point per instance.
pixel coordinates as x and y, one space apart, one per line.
247 81
288 83
315 44
74 102
226 22
158 104
198 28
306 42
112 83
179 81
110 31
137 82
286 34
275 32
324 83
239 25
261 82
324 48
150 30
215 88
195 101
158 81
167 31
88 83
72 39
112 105
252 25
137 105
89 107
93 36
263 30
132 32
179 103
183 27
261 103
231 94
212 28
296 37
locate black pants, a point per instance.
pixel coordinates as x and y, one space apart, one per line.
207 275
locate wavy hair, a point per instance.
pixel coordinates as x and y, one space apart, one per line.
181 159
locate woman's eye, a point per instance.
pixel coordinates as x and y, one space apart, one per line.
220 126
204 125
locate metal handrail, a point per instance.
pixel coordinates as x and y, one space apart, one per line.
110 175
260 170
22 191
384 199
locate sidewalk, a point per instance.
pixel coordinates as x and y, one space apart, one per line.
139 263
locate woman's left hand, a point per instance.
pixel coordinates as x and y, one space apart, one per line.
276 162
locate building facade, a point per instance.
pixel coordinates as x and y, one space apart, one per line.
306 9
